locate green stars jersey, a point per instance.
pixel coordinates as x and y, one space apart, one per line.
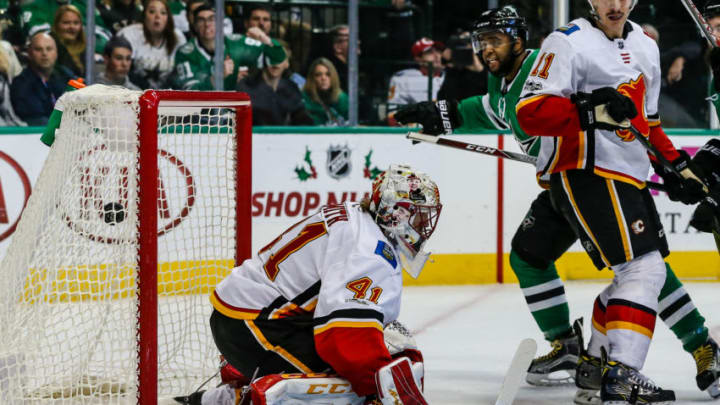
194 65
496 109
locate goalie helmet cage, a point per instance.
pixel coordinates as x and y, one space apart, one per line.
141 208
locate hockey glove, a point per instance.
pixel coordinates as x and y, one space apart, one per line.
707 160
604 108
715 66
706 217
688 190
436 118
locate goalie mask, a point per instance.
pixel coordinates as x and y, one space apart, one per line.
406 206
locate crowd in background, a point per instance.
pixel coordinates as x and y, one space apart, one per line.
292 59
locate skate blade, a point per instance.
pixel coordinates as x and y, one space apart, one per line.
556 378
714 390
587 397
628 403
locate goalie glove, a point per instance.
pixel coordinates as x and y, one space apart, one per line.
439 118
400 383
604 108
688 190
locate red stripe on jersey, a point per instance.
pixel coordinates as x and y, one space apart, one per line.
598 316
354 353
548 116
571 153
612 174
620 316
660 140
230 310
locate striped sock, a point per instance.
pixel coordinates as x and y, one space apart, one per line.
679 313
545 295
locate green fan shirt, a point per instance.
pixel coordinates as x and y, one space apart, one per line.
194 66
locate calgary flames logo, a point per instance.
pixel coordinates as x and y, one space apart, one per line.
635 89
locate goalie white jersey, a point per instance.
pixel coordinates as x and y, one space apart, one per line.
335 268
580 58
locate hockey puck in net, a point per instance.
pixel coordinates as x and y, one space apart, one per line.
114 213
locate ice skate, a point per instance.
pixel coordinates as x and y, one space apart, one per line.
588 378
558 366
707 360
623 385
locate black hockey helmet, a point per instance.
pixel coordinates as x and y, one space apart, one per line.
712 9
505 19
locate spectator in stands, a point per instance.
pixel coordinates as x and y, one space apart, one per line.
339 48
38 15
291 74
465 75
12 63
276 100
118 14
154 43
35 90
324 100
194 61
259 16
187 29
190 7
7 68
410 86
67 29
675 105
118 59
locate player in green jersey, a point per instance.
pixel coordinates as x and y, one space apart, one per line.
499 38
194 60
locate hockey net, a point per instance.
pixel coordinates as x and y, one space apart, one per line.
139 190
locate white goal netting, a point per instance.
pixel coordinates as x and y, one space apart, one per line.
68 303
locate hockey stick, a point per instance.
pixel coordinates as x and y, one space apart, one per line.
516 372
487 150
705 28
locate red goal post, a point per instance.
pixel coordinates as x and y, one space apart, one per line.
150 102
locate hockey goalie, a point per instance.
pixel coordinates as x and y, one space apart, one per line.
317 301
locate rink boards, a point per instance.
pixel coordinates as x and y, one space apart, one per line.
296 170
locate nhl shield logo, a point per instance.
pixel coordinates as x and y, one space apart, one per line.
338 161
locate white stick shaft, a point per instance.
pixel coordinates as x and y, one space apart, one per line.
516 372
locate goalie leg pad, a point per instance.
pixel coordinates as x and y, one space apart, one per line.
305 389
400 382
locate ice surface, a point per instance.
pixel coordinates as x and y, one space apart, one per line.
468 335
